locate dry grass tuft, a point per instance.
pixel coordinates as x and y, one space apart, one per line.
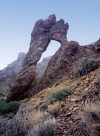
53 109
47 128
90 117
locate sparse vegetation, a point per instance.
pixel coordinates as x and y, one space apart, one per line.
97 89
97 83
29 122
39 117
78 83
8 109
59 95
47 128
84 66
91 119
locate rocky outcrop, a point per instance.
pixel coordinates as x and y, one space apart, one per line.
8 74
96 46
43 32
60 64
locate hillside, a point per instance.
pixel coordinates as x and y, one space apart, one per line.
77 115
69 113
8 74
65 99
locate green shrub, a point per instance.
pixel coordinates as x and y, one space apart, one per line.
9 116
6 108
78 83
59 95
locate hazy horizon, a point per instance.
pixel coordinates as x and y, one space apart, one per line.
18 19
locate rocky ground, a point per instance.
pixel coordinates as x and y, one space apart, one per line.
70 111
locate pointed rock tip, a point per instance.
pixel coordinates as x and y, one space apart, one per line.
52 17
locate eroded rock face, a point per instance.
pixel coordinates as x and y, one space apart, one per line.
60 64
96 46
43 32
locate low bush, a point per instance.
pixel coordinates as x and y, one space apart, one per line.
28 122
97 89
84 66
47 128
38 117
6 108
9 116
97 83
59 95
53 109
91 119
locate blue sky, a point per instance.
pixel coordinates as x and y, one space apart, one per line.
17 19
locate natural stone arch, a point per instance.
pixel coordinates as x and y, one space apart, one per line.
51 50
46 57
43 32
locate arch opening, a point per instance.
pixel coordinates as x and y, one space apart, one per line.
46 57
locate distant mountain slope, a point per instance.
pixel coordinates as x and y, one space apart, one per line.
41 66
8 74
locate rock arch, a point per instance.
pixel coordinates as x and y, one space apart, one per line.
44 31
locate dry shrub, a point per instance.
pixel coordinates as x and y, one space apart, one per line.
53 109
47 128
40 116
97 83
90 117
28 122
97 89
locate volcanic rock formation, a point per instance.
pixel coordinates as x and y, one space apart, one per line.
60 64
43 32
